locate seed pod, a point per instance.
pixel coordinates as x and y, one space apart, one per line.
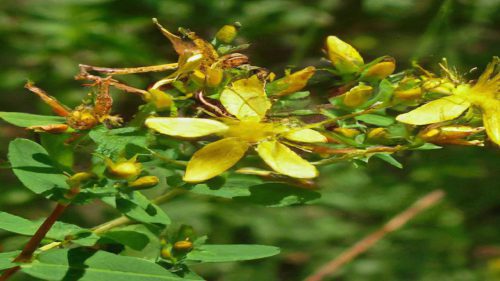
127 169
144 182
227 33
233 60
357 95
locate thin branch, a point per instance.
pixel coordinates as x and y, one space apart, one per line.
366 243
28 250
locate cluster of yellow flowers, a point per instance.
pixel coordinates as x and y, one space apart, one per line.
235 101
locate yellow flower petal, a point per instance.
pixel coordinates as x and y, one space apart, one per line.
185 127
342 55
491 120
214 159
305 135
246 99
439 110
284 161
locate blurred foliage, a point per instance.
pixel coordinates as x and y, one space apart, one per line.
45 40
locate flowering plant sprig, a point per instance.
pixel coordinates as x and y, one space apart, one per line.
199 130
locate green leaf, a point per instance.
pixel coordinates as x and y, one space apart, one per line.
86 265
112 142
27 120
278 195
387 157
137 207
230 253
6 259
35 169
427 146
57 148
233 186
374 119
59 231
129 238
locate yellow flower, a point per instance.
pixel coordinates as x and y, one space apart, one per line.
485 95
247 101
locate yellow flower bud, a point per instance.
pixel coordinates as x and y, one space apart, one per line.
227 33
377 134
347 132
343 56
294 82
161 100
214 76
410 94
125 169
357 95
454 134
380 70
165 253
144 182
183 246
76 179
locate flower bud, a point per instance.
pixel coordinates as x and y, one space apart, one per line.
380 70
183 246
409 94
144 182
357 95
292 83
160 99
214 76
451 134
347 132
125 169
165 253
343 56
76 179
377 134
227 33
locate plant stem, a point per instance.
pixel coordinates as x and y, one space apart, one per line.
28 250
366 243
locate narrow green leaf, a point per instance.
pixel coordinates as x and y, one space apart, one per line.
26 120
374 119
230 253
59 230
139 208
278 195
85 265
35 169
6 259
387 157
135 240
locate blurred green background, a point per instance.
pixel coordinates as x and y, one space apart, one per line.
458 240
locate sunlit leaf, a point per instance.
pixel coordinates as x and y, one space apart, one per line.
185 127
214 159
29 120
439 110
228 253
246 98
284 161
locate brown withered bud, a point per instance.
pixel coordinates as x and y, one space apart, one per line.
233 60
82 118
103 100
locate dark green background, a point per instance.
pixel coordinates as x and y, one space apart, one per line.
458 240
